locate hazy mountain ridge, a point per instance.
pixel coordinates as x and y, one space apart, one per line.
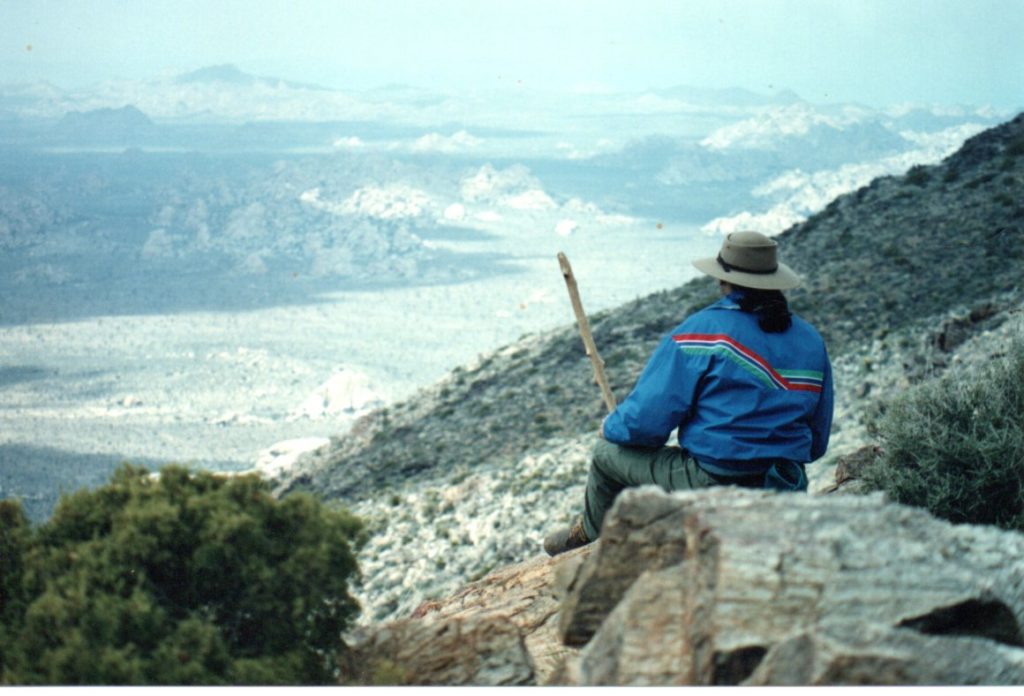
226 94
231 74
357 212
904 277
286 221
280 220
721 157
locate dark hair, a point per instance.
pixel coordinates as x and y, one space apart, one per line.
770 307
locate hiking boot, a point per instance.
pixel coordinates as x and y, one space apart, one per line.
566 539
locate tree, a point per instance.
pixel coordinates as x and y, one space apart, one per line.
185 578
13 535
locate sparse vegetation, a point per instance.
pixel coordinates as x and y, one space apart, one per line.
1015 148
183 579
918 175
983 179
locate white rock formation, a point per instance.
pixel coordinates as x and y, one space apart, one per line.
279 457
347 391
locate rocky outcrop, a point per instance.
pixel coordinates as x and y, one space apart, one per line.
481 649
851 653
761 571
634 541
500 630
729 586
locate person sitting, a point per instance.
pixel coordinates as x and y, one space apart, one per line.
747 384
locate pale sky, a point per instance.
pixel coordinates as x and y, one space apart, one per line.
876 52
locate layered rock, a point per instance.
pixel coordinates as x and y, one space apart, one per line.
513 611
855 580
729 586
481 649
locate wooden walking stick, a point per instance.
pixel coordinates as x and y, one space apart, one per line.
588 339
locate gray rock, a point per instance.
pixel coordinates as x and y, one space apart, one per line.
655 606
761 569
518 604
638 538
844 652
730 586
484 649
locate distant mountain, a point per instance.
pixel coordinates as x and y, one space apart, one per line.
226 93
778 163
125 117
211 94
231 75
775 165
123 126
217 73
846 136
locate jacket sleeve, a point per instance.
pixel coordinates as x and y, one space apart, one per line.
659 402
821 420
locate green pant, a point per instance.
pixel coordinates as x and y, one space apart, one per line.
614 468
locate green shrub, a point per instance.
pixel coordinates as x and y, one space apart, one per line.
1015 148
1004 199
955 445
189 578
918 175
982 179
14 532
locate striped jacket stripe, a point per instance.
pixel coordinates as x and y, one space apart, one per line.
792 380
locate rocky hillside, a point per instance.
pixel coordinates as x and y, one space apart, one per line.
891 258
904 277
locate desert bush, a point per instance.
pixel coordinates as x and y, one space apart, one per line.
918 175
955 445
188 578
1015 148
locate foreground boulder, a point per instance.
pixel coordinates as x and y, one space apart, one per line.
501 630
726 586
795 589
484 649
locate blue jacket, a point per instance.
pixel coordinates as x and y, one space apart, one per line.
740 397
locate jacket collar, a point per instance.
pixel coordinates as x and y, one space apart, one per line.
730 301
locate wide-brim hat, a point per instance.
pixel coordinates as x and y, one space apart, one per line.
750 260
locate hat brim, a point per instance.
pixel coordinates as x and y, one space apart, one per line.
784 277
